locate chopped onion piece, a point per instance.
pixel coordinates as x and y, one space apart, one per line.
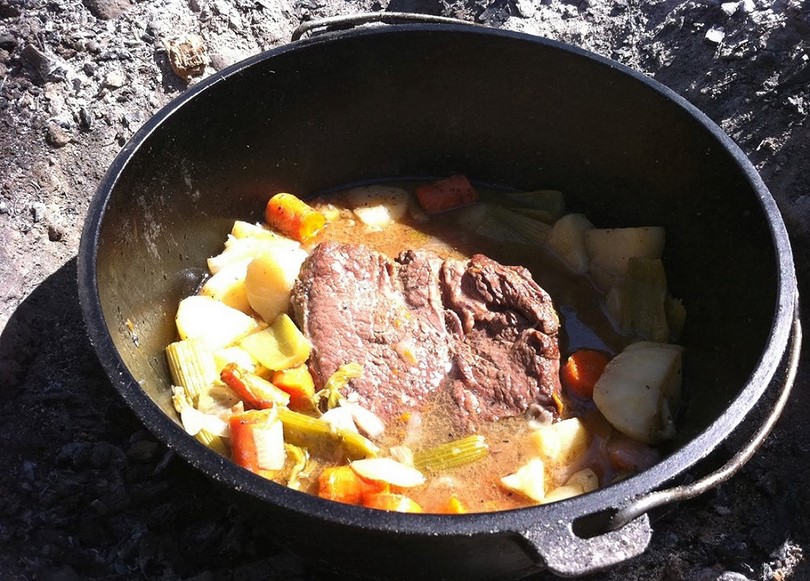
340 418
529 480
194 421
269 443
388 470
367 421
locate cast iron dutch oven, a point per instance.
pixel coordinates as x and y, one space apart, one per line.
503 108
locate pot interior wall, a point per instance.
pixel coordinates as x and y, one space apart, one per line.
413 102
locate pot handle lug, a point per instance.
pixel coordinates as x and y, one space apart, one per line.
352 20
644 504
566 554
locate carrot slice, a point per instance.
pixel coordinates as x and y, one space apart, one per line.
342 484
296 381
453 506
293 217
446 194
581 371
391 501
256 392
244 451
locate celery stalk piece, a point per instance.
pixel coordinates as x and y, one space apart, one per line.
213 441
545 205
300 459
192 366
532 230
313 433
280 346
642 310
452 454
337 381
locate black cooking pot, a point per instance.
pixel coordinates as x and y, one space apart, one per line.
429 100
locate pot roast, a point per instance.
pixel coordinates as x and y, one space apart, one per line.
485 332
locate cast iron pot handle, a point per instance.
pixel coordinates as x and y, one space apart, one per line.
352 20
569 555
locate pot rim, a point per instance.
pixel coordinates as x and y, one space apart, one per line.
223 471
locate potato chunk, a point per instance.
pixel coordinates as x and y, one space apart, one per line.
610 249
377 206
528 480
240 250
269 280
212 322
560 443
228 286
639 389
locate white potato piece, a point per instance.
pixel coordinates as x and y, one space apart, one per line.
243 229
528 480
610 249
379 205
567 241
560 443
245 249
388 470
228 286
212 322
269 280
639 388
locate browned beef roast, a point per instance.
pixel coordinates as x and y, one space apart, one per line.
485 331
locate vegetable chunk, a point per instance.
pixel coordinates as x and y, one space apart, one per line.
567 241
293 217
212 322
610 250
582 370
446 194
378 206
269 278
280 346
562 442
638 390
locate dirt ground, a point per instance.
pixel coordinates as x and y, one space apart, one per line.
86 492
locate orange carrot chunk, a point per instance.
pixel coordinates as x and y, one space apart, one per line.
296 381
293 217
453 506
581 371
244 451
255 391
391 501
446 194
342 484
